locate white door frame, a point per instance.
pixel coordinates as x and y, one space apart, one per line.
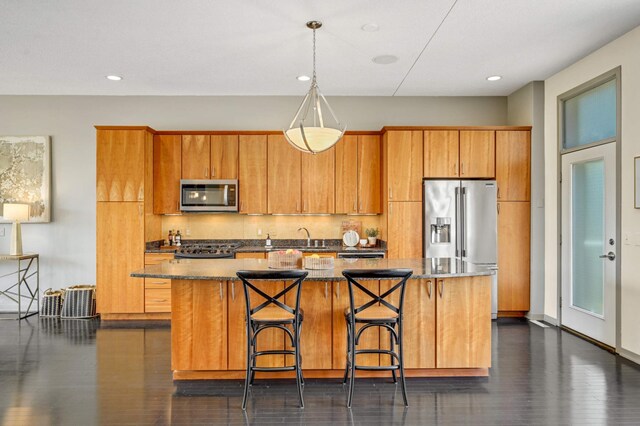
617 74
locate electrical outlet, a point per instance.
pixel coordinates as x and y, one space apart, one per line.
259 232
187 232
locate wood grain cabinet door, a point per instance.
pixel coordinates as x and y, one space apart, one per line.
120 156
167 171
404 230
346 180
370 339
198 325
441 153
419 322
196 150
369 173
117 291
404 165
318 182
224 157
316 330
284 176
513 165
252 174
463 312
477 154
514 223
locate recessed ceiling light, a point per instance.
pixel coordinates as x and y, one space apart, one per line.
494 78
370 27
114 77
385 59
303 78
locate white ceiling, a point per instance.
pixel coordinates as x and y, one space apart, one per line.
251 47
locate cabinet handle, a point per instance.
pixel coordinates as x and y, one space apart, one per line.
159 300
461 168
326 290
498 195
159 283
241 206
206 172
429 288
304 206
337 289
233 291
390 193
441 282
213 171
221 293
297 206
355 206
498 208
177 206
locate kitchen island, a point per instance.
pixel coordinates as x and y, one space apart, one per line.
447 318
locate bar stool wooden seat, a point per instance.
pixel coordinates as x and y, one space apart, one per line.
271 312
378 312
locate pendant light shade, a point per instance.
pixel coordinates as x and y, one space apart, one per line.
315 127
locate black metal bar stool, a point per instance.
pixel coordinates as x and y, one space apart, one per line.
272 313
377 311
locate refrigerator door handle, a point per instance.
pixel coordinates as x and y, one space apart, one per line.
463 222
457 197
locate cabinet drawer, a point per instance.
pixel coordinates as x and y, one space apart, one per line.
157 283
157 300
155 258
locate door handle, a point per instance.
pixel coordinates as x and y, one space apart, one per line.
429 288
611 256
233 291
441 282
206 172
221 292
390 193
213 171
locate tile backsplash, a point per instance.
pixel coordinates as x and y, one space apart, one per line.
236 226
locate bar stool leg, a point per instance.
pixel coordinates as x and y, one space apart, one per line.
346 366
254 343
393 361
247 376
352 345
401 362
298 369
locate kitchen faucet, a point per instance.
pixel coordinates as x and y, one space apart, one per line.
308 236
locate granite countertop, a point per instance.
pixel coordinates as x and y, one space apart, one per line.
257 246
225 269
331 249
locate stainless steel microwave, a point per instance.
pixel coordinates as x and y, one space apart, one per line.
219 195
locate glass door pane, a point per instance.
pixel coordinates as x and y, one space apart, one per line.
587 215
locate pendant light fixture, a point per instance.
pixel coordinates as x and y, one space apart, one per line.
311 130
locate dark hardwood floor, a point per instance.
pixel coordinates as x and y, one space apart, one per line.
83 373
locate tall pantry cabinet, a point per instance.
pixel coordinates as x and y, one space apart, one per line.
124 216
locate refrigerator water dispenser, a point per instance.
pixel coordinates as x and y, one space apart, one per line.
441 230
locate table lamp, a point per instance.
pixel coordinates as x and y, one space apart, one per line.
16 213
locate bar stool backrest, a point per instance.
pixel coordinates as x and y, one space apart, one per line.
278 300
353 275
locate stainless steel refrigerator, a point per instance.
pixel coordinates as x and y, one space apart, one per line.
460 221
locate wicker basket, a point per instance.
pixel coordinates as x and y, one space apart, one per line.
283 260
322 262
51 303
79 302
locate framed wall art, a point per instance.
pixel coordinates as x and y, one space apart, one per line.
25 175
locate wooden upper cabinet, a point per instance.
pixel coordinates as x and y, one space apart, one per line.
224 157
346 178
318 182
463 324
441 153
284 176
404 230
369 172
167 166
252 173
196 151
404 165
120 171
513 165
514 223
477 153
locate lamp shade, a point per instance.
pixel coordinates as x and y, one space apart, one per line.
318 138
16 212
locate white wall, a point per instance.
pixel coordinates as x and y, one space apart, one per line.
67 244
622 52
525 107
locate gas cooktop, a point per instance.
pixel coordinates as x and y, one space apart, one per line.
207 251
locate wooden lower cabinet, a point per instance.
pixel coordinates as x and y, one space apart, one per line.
514 223
463 322
198 325
419 323
157 299
370 338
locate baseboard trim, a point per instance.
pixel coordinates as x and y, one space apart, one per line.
631 356
536 317
550 320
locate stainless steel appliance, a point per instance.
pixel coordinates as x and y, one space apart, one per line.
361 254
460 220
207 251
219 195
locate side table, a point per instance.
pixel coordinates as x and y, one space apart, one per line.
28 268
